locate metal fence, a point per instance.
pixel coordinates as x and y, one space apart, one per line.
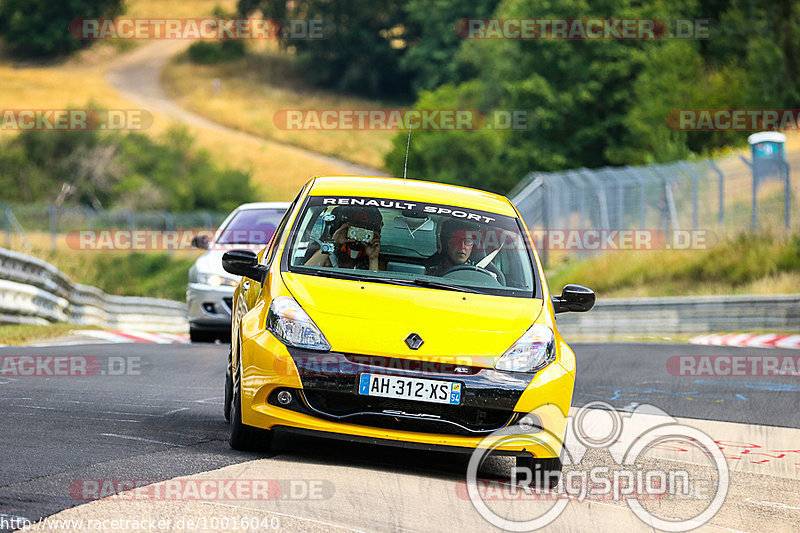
20 223
675 200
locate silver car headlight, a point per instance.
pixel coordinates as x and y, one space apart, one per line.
215 280
534 350
293 327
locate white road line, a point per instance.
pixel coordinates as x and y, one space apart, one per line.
128 437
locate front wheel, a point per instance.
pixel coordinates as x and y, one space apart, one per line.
228 390
244 437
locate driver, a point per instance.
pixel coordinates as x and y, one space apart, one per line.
458 240
350 251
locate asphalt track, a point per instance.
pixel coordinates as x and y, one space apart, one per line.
160 417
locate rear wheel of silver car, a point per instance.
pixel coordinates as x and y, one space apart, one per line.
200 335
244 437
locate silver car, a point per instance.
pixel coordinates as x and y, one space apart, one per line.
210 291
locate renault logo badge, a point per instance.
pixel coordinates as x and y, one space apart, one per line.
414 341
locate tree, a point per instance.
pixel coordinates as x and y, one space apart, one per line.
363 41
431 59
40 28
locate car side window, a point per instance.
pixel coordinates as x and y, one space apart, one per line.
273 245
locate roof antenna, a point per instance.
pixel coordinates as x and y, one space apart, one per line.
408 145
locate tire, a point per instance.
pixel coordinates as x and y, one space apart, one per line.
244 437
228 390
197 335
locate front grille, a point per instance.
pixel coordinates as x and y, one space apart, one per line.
369 411
396 363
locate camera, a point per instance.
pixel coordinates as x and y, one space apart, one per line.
360 234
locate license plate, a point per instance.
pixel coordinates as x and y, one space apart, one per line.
402 388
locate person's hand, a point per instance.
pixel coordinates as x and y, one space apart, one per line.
373 249
340 235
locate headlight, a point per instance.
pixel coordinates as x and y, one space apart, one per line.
534 350
215 280
293 327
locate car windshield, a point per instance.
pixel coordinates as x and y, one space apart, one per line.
251 226
412 243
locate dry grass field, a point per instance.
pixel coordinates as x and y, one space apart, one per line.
251 92
278 170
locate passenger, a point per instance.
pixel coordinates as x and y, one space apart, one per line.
457 241
351 251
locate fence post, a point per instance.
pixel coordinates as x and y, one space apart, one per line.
169 225
715 168
642 195
546 221
787 196
7 225
695 179
53 214
601 196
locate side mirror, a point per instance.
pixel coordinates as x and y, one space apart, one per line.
244 263
200 241
575 298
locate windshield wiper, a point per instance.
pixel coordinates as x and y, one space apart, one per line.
343 274
440 285
331 274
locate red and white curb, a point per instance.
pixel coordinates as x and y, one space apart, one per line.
127 336
769 340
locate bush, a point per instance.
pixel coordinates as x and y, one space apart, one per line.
40 28
107 170
209 53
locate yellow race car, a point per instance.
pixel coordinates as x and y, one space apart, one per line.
399 312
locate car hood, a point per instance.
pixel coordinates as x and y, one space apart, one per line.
375 319
211 263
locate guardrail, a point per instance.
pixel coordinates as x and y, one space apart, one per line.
620 317
35 292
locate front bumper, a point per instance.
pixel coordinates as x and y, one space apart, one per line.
326 402
209 307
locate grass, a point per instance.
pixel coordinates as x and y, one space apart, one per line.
154 274
278 171
23 333
256 87
741 264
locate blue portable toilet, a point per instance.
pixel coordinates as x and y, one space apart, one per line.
769 161
768 149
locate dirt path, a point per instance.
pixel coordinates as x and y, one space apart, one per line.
136 75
